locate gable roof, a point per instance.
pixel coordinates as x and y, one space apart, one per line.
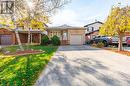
63 27
93 23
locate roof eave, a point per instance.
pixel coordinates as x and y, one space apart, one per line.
93 23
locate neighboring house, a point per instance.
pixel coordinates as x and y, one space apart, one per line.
8 37
92 30
68 35
91 35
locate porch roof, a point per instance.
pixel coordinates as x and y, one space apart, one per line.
26 31
30 31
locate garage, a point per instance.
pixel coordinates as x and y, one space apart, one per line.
77 36
6 39
76 40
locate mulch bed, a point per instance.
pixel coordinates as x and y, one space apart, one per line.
121 52
25 52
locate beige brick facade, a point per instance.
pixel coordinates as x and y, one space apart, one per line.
66 33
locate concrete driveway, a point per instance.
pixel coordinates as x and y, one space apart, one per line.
86 66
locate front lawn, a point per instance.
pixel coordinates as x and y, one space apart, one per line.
24 70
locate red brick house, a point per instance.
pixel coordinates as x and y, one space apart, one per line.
8 37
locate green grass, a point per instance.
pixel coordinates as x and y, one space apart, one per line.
24 70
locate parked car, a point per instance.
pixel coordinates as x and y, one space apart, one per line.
107 40
128 41
103 39
115 39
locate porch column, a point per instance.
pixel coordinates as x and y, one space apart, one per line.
62 37
31 38
40 38
68 42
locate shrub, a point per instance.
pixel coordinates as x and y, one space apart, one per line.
94 45
100 44
88 42
55 40
45 40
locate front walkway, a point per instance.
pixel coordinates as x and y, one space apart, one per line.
86 66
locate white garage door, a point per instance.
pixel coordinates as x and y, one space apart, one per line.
76 40
6 39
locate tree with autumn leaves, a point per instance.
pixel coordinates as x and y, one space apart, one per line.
117 23
32 14
38 23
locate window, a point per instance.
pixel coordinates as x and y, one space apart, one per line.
87 29
65 36
51 34
92 29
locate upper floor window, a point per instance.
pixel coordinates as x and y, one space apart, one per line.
92 28
87 29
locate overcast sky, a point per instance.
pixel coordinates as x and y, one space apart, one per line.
82 12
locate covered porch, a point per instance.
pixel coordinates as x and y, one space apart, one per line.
35 37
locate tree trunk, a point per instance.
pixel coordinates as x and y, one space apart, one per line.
19 41
29 35
120 45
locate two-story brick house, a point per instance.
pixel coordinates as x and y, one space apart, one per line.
92 30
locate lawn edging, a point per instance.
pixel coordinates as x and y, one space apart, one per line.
24 53
123 52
